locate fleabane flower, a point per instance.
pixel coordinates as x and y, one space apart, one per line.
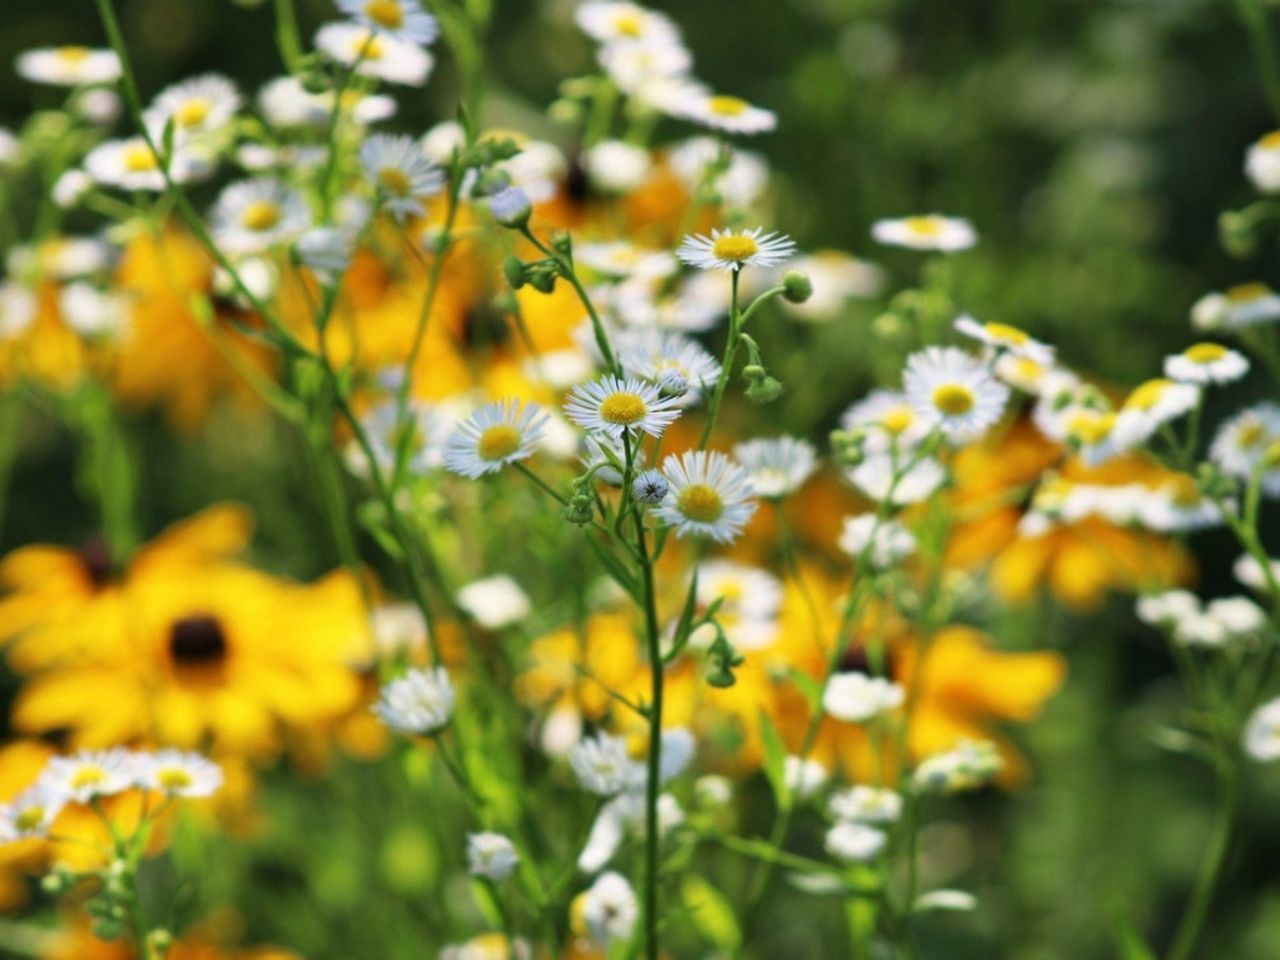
882 542
624 23
400 172
854 842
804 776
954 391
886 420
130 165
400 19
602 764
709 496
1002 336
1206 363
179 773
1244 305
680 367
837 278
622 259
1095 436
1262 163
1151 405
495 435
615 406
495 602
31 813
1262 734
776 466
883 478
491 855
69 66
198 109
734 249
253 216
420 702
609 909
91 774
375 54
1243 440
863 804
719 111
928 232
857 697
1178 504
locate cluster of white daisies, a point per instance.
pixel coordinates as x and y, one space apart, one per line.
89 776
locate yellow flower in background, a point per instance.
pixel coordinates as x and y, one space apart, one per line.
77 942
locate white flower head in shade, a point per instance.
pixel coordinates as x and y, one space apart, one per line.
198 109
624 23
837 278
1262 733
491 855
737 177
131 165
253 216
401 19
91 312
928 232
31 813
420 439
857 698
615 406
638 68
400 172
602 764
614 166
99 105
1262 163
777 466
1165 609
863 804
70 188
881 479
375 54
854 842
679 366
709 496
178 773
419 702
18 307
497 434
1242 442
750 601
713 790
326 250
1029 376
882 542
1250 573
495 602
1151 405
1244 305
88 775
1010 339
69 66
1206 363
954 391
618 258
719 111
731 249
398 629
887 420
1176 504
609 909
804 777
968 765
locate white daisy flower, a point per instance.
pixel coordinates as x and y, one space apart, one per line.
69 66
730 249
420 702
399 629
1095 435
1177 505
130 165
18 307
680 367
1242 441
91 312
696 304
495 602
401 19
609 909
1002 336
1244 305
883 542
375 54
614 166
602 764
777 466
615 406
709 496
622 259
837 278
31 813
624 23
880 479
1262 734
805 777
854 842
950 389
1239 616
491 855
427 426
738 177
1151 405
538 169
178 773
1206 363
326 250
1025 374
929 232
99 106
401 173
71 188
1165 609
253 216
857 698
636 67
495 435
198 109
750 601
91 773
863 804
1262 163
887 420
966 766
721 112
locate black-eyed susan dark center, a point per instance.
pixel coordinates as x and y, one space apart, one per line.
197 641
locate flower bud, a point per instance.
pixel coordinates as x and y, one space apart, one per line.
513 270
673 383
511 207
650 487
580 510
796 286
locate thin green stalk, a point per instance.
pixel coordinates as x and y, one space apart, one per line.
726 365
288 37
10 413
1254 15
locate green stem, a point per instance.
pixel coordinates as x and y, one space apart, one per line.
1254 16
288 37
1184 941
10 413
726 365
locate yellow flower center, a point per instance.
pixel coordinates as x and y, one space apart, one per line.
1246 292
1184 493
723 106
260 216
89 776
367 47
173 778
1091 428
623 408
954 399
1205 353
629 24
500 440
193 113
923 226
898 420
1271 141
1007 334
394 180
734 247
138 158
700 503
72 55
1147 395
29 819
385 13
1250 435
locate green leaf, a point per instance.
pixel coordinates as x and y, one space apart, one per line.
617 569
811 689
711 912
775 761
685 625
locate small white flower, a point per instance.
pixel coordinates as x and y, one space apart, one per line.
929 232
737 177
609 909
377 54
511 206
71 188
491 855
968 765
955 391
884 543
1244 305
804 777
719 111
419 702
730 249
1262 163
1025 374
400 172
1095 434
1242 442
497 434
252 216
1177 504
622 259
854 842
91 312
857 698
677 365
602 764
177 773
1167 608
713 790
777 466
18 307
1151 405
198 109
31 813
69 66
881 479
1206 363
10 148
1002 336
1262 735
91 774
638 68
623 23
709 496
1239 616
326 250
398 629
402 19
863 804
614 406
615 166
99 106
495 602
130 165
750 601
1250 573
887 420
